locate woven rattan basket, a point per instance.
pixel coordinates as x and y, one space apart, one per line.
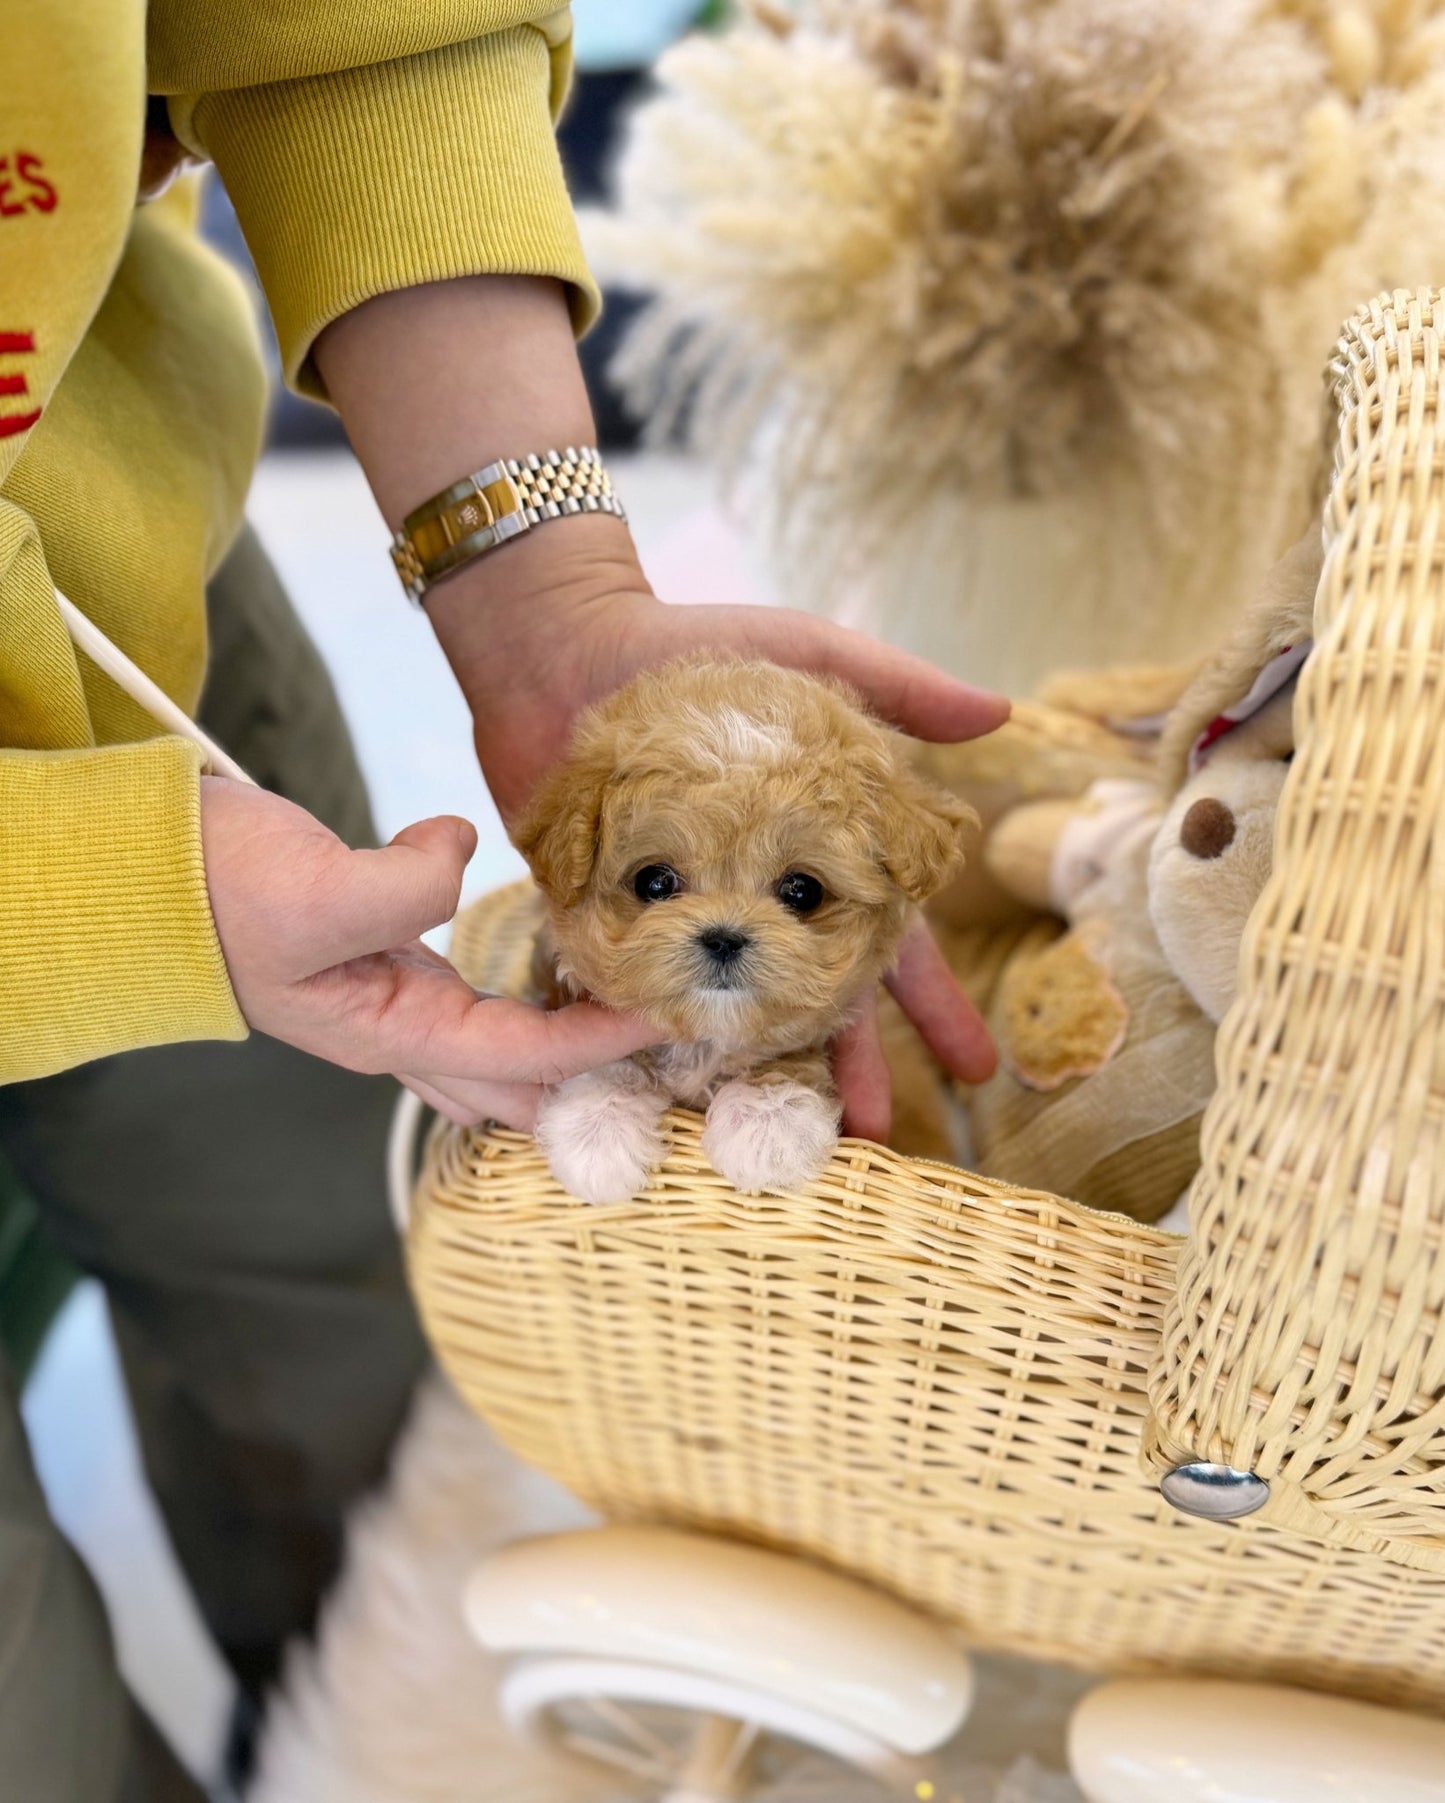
966 1393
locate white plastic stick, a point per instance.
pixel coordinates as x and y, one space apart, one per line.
110 658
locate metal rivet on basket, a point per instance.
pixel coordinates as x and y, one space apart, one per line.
1215 1492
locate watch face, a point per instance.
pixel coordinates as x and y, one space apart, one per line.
485 509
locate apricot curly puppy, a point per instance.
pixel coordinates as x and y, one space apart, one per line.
732 849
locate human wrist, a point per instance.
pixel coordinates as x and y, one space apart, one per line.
438 381
435 381
493 506
508 620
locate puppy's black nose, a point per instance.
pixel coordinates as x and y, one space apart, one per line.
723 944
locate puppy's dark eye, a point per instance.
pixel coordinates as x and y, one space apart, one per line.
655 882
800 893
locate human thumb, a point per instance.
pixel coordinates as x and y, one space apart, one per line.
444 834
414 883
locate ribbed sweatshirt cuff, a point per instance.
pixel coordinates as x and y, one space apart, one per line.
106 936
363 182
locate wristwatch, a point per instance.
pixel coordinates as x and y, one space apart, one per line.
495 504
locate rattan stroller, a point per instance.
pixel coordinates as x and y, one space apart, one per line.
967 1396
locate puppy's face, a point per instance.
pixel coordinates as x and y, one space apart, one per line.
732 849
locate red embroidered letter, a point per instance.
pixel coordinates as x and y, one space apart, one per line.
16 344
8 208
43 197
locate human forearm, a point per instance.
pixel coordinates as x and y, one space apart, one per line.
432 382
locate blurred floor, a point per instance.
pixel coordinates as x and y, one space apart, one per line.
317 518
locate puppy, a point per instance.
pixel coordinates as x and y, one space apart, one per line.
733 850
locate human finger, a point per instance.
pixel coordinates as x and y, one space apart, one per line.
907 690
375 899
511 1104
861 1074
499 1040
946 1020
409 1010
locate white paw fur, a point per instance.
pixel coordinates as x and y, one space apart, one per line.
600 1132
764 1136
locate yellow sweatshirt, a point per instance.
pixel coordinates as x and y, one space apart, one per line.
367 146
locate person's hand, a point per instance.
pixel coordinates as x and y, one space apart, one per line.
536 639
945 1019
322 945
596 624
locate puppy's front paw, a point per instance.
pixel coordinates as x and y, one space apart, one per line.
769 1135
600 1132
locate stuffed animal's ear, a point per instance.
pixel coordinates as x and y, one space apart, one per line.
1279 616
924 831
558 834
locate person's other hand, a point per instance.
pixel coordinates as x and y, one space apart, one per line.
322 945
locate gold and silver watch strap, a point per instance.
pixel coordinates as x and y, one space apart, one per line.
493 505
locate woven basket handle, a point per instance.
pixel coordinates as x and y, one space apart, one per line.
1305 1341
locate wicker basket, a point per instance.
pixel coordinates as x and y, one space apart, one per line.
965 1392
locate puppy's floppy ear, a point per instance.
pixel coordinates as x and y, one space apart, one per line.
558 833
923 831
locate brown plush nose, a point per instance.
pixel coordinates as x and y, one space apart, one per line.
1207 830
724 945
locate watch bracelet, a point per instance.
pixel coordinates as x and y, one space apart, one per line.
464 521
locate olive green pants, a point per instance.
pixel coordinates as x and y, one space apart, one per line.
230 1200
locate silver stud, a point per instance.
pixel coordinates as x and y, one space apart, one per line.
1214 1492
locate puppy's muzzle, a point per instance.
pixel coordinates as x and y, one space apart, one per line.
723 949
723 945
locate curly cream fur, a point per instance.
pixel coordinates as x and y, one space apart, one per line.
733 775
1025 302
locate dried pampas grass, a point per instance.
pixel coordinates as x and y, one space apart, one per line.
1022 304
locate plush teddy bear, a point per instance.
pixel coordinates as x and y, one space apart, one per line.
1135 896
1223 758
1105 1060
1052 749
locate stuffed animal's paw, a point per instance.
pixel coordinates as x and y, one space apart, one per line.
601 1133
1062 1015
763 1136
